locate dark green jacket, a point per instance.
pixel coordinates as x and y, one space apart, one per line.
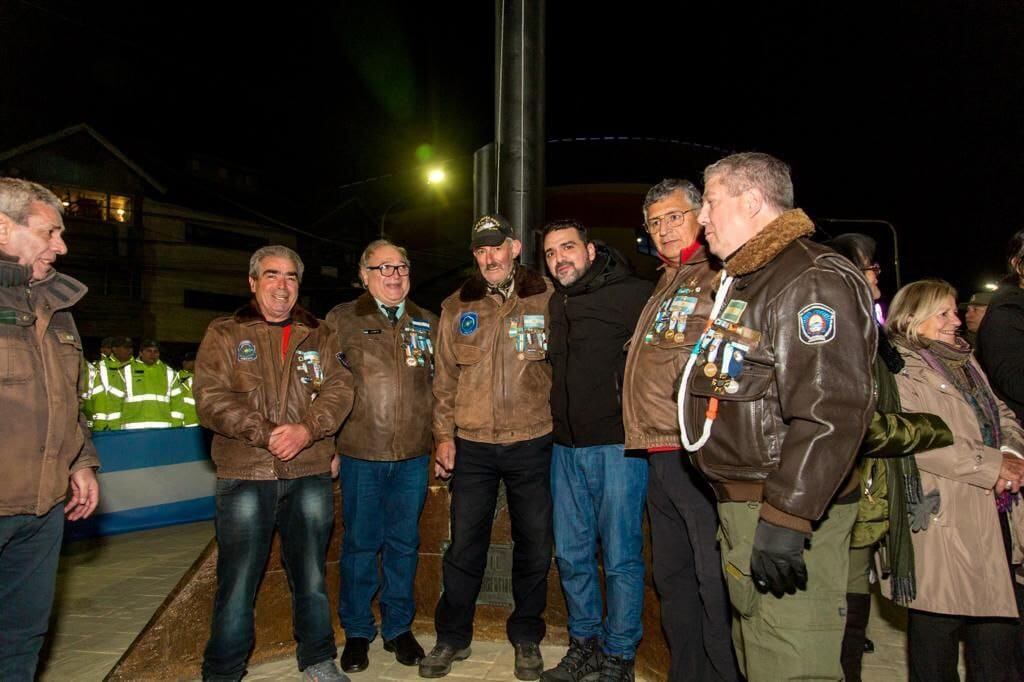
892 433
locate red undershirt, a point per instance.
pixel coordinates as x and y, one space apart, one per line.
286 332
684 256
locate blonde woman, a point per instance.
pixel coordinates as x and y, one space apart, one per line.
964 587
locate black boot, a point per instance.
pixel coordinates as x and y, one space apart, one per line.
858 609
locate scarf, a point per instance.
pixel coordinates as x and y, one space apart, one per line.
903 479
951 362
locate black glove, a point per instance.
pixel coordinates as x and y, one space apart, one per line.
777 561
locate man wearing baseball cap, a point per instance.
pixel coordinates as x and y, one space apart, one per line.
492 423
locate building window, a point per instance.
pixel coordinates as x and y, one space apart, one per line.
94 205
203 235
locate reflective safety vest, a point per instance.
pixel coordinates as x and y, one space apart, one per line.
103 397
148 392
185 403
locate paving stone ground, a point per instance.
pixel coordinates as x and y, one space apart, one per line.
107 590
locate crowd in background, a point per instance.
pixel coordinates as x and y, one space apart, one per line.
124 391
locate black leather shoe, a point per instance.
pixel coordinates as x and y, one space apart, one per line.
529 662
438 662
407 650
354 658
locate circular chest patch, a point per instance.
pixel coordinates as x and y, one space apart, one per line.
467 323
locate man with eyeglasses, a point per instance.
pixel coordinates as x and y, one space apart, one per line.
492 424
687 566
384 450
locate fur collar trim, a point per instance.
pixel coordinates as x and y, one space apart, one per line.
251 313
528 283
769 242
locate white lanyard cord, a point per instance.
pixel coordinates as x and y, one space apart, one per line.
720 298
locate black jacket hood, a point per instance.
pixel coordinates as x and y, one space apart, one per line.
609 266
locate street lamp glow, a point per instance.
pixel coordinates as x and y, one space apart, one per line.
991 286
435 176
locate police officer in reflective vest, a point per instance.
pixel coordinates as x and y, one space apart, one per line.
150 386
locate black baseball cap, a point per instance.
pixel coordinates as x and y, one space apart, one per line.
491 230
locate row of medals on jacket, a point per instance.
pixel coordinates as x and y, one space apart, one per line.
527 334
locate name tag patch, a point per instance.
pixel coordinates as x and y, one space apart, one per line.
817 324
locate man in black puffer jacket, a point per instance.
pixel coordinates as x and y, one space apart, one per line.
598 492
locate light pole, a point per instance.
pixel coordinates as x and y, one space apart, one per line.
895 240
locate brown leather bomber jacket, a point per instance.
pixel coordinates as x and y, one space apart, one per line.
791 367
44 438
493 381
243 389
392 368
669 326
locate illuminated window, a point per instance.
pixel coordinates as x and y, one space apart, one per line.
93 205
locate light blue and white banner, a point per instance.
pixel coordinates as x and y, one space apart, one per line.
148 479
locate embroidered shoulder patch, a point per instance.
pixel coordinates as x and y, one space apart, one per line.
467 323
246 351
817 324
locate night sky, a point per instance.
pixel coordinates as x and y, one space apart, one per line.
903 111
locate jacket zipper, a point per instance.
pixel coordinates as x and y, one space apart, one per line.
396 335
568 334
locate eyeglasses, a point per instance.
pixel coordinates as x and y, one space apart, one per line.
874 267
386 270
672 219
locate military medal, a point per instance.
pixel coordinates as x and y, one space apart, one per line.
731 387
710 369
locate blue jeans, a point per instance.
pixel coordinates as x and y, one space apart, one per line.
599 495
381 504
302 509
29 552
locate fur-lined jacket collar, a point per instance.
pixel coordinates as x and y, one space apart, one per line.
528 283
769 242
251 313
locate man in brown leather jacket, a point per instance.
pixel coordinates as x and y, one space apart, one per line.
776 397
271 386
46 450
384 448
686 562
492 423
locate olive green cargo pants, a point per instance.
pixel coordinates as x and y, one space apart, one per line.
798 636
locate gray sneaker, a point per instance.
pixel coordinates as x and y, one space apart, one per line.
529 663
438 662
581 663
324 671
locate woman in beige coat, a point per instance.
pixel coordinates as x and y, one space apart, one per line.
964 585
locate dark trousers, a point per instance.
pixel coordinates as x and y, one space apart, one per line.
933 647
525 467
29 552
695 610
302 509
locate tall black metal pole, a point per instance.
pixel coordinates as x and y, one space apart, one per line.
519 117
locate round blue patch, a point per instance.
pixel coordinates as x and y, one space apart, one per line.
817 324
467 323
